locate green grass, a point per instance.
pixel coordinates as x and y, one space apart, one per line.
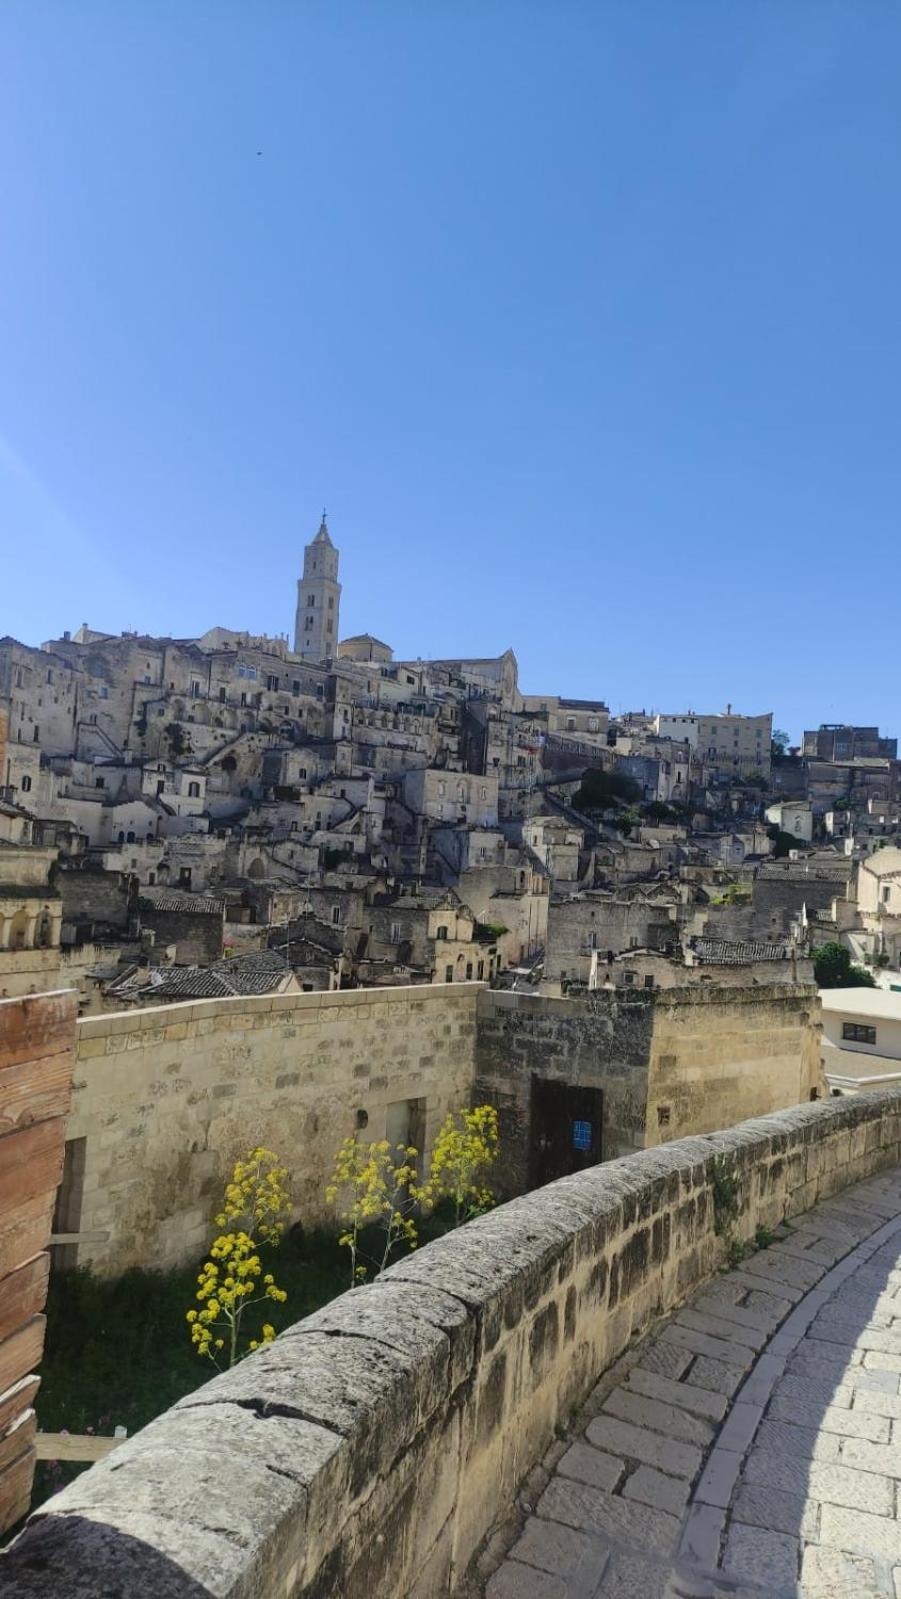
118 1352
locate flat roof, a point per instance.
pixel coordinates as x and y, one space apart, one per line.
856 1064
879 1002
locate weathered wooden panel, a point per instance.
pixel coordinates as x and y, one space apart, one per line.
15 1488
23 1293
35 1091
21 1436
16 1400
31 1162
37 1055
37 1025
78 1446
21 1352
24 1230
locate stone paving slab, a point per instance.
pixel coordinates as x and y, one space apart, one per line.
753 1447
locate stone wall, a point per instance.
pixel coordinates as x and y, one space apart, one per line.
166 1099
37 1036
719 1056
369 1450
197 935
599 1042
668 1061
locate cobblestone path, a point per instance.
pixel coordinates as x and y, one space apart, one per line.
752 1446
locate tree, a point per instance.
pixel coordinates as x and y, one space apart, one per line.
657 811
783 842
626 821
833 968
599 790
374 1187
779 746
255 1209
464 1151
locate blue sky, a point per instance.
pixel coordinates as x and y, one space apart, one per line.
582 319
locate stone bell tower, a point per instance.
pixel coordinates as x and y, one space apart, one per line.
318 599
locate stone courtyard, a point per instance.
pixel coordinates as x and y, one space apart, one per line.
750 1446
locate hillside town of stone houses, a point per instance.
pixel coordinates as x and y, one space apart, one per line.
227 814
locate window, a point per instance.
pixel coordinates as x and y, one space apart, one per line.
331 603
104 692
129 838
441 932
193 791
100 782
222 696
272 684
858 1034
448 974
480 970
37 733
469 971
26 784
184 877
311 599
195 689
295 687
396 932
336 915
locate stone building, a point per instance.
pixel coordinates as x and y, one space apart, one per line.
724 744
318 600
836 741
31 911
606 921
879 903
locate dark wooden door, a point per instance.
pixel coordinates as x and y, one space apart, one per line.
566 1129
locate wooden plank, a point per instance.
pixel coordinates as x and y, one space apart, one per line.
36 1025
31 1162
19 1438
100 1236
16 1400
22 1294
35 1091
24 1230
15 1489
73 1446
21 1352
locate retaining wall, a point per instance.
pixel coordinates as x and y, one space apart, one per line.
370 1448
167 1099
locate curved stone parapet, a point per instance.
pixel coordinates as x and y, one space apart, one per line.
370 1449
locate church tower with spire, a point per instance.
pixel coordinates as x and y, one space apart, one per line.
318 599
